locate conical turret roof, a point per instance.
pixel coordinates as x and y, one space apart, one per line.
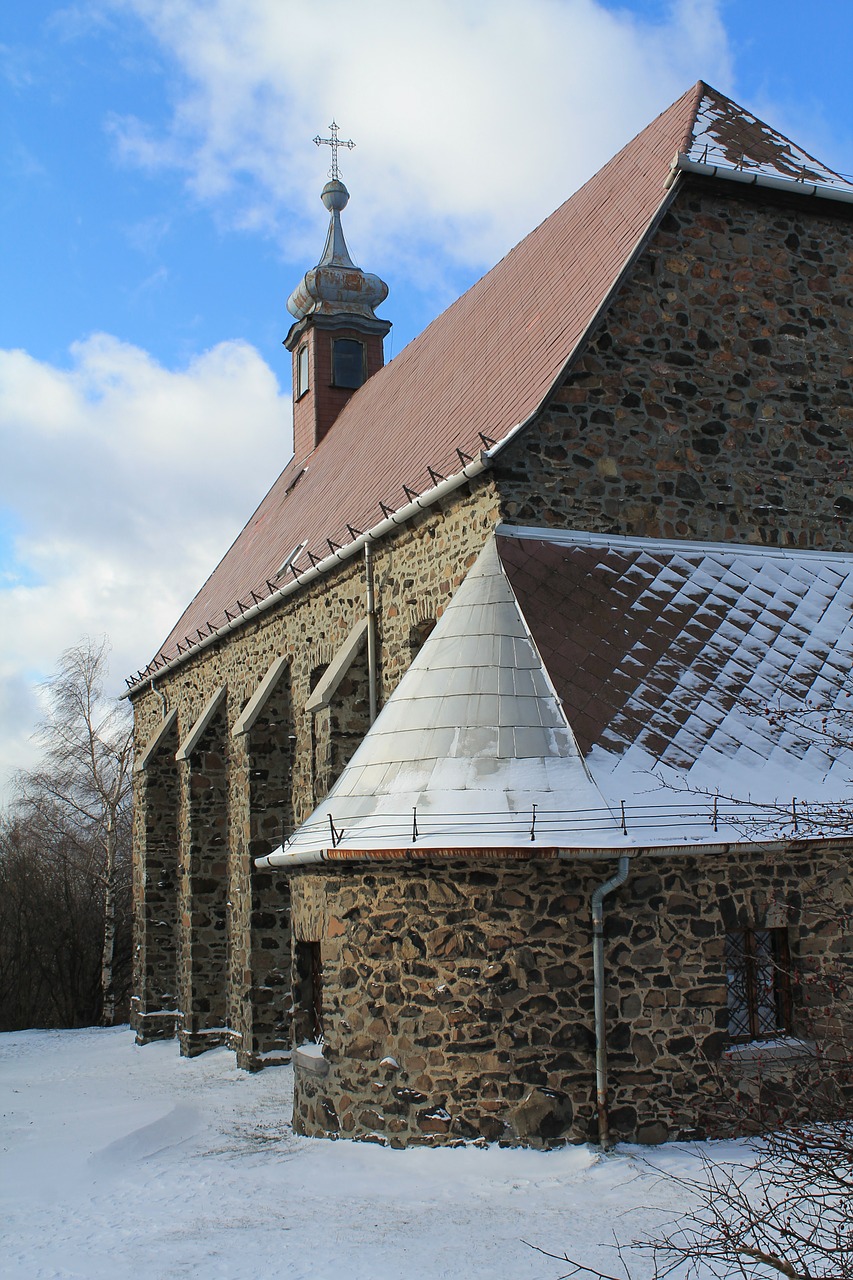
471 740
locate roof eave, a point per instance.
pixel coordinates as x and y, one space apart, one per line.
280 861
749 177
397 518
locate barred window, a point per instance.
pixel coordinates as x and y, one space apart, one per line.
759 987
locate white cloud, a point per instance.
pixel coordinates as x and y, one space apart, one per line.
472 120
125 482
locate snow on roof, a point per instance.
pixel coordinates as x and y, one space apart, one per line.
638 693
702 677
726 134
470 741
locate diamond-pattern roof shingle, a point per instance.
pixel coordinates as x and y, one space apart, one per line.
584 692
725 667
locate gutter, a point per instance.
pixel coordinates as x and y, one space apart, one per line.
747 177
399 517
277 861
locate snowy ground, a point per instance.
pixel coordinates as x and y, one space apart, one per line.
125 1162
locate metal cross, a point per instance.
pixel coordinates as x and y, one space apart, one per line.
334 142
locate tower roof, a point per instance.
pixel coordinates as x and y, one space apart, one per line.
471 740
336 286
488 362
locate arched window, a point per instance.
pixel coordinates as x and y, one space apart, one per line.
348 364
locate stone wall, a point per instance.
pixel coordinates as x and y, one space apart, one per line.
259 918
715 400
272 774
203 891
155 893
457 997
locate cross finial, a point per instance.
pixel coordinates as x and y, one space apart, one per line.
334 142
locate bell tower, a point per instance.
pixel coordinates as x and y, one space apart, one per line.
336 343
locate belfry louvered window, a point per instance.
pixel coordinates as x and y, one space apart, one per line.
759 986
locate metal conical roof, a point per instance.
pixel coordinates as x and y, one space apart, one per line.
472 750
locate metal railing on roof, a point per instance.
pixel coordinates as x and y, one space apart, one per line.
634 822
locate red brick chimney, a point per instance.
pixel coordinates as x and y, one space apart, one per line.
336 342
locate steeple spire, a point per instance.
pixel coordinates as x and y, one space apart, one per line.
337 338
336 286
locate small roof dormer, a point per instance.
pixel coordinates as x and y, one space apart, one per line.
337 340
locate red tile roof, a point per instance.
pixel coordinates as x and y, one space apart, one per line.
480 368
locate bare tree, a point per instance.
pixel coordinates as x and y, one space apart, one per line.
51 930
79 796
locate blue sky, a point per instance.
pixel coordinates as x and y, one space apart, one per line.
159 200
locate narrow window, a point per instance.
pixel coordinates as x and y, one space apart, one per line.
348 366
302 370
758 971
309 993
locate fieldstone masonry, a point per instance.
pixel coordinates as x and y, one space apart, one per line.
271 775
155 890
713 401
203 892
457 997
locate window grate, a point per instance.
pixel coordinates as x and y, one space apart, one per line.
758 984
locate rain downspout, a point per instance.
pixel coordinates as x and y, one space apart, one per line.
371 631
158 693
598 984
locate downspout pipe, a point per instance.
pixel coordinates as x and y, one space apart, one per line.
158 693
598 897
371 632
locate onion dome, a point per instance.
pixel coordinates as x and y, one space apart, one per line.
336 286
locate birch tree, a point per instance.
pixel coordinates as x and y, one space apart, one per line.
79 795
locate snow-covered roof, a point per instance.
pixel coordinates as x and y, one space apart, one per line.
729 135
471 740
582 692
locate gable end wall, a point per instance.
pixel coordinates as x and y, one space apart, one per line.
715 399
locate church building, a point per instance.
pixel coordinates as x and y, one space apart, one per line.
498 776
